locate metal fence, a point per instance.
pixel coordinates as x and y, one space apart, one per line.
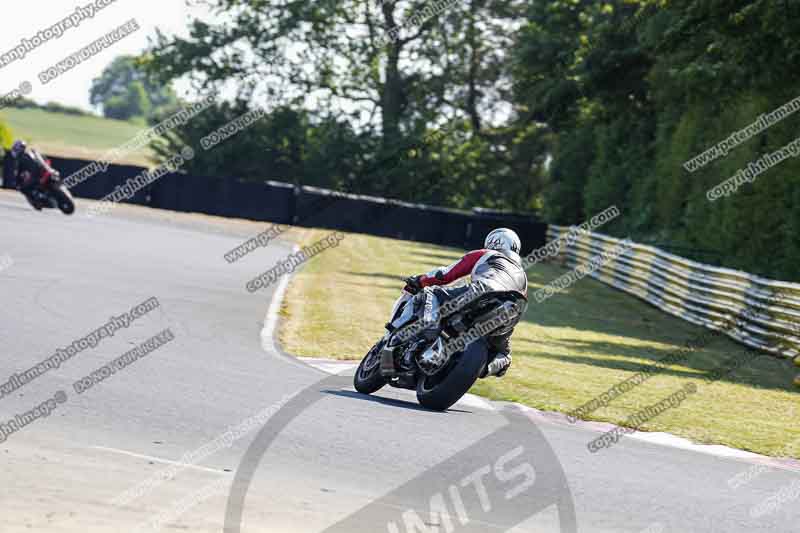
755 311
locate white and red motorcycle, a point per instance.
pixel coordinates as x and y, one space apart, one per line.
441 366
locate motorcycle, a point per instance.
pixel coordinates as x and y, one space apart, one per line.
440 364
50 192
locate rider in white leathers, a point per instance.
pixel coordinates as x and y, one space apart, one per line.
495 268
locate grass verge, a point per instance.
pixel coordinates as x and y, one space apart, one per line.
59 134
567 350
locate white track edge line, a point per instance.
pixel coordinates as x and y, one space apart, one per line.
160 460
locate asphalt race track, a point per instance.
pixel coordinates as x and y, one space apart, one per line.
328 459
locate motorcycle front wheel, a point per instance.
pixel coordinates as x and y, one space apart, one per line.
64 200
368 377
33 201
446 387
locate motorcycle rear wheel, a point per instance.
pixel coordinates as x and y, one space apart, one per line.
443 389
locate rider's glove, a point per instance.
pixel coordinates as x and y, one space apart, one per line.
413 284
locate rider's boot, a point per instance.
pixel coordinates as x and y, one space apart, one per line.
497 367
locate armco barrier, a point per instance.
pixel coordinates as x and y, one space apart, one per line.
761 313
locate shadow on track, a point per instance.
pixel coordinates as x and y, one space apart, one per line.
387 401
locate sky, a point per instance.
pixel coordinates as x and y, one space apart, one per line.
26 19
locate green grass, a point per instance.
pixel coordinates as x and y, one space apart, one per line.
567 350
65 135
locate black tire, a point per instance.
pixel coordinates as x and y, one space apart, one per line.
32 201
368 377
64 200
439 393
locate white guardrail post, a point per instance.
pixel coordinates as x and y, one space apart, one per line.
758 312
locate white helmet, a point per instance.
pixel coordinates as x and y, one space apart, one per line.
502 240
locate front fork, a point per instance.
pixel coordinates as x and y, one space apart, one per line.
429 318
387 353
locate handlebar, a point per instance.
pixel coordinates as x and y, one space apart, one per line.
410 288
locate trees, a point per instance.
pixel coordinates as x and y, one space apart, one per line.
394 72
133 103
567 106
636 89
124 91
283 146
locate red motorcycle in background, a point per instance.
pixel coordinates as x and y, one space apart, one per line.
50 192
